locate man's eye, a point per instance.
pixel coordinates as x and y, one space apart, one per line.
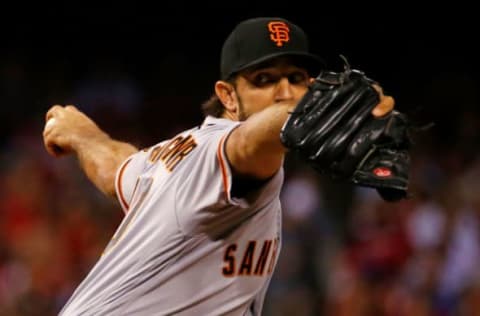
263 79
297 77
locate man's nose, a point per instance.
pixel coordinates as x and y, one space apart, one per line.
283 90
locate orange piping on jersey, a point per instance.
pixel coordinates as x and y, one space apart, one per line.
223 167
119 182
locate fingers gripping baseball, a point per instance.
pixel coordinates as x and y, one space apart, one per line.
49 140
52 132
66 128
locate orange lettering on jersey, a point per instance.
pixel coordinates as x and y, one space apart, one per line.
170 148
173 152
279 32
228 269
182 149
155 154
262 260
247 261
273 258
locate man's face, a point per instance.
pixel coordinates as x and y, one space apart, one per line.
277 83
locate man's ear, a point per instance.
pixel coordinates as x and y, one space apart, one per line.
227 95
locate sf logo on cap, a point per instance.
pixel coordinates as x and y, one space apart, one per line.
279 32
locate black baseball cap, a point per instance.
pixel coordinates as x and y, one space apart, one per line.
258 40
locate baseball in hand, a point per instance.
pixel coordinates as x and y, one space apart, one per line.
50 122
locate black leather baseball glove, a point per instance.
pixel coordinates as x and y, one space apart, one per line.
332 128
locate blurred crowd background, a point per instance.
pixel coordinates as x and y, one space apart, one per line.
345 252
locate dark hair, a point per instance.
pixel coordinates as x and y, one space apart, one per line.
213 106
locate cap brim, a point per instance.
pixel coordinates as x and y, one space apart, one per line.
312 63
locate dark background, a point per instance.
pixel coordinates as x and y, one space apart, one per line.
173 48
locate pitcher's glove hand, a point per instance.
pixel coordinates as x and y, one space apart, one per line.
332 128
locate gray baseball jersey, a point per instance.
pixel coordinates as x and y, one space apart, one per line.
186 246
